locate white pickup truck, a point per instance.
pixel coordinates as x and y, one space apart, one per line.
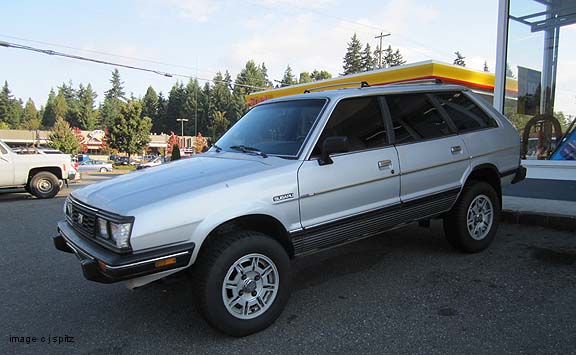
40 175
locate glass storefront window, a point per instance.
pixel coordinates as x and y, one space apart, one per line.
540 94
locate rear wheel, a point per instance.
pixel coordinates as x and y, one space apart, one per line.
471 225
44 185
244 282
103 170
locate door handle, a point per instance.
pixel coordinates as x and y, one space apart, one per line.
383 164
456 149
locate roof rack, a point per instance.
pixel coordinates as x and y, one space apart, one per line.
436 81
363 84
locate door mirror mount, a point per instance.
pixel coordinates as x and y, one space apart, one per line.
332 145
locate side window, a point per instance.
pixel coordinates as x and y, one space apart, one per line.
465 114
415 118
360 120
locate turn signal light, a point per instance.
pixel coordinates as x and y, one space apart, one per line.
165 262
102 265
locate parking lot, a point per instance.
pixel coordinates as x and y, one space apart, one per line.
405 291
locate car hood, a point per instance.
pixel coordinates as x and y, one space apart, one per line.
128 192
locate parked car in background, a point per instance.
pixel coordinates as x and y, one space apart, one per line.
94 165
71 166
124 161
154 162
41 176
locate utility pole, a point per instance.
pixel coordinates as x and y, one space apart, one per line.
182 120
382 35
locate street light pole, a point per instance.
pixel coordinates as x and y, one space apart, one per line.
382 35
182 120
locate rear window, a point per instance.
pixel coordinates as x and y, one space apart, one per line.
415 118
465 114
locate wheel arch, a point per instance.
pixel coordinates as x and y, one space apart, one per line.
487 173
262 223
48 169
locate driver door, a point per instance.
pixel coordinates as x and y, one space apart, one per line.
358 185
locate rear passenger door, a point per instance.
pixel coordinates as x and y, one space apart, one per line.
433 158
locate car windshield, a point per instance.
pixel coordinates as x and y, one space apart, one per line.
277 128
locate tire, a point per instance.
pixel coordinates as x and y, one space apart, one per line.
265 288
103 170
479 205
44 185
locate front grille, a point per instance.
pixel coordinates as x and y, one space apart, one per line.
82 218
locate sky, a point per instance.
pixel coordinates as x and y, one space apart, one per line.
200 37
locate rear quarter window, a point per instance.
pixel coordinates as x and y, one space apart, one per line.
465 114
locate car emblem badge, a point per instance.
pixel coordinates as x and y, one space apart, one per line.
80 218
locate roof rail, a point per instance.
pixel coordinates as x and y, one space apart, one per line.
418 81
363 84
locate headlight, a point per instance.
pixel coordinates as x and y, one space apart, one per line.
103 228
121 234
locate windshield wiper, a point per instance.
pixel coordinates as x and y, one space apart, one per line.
218 149
246 149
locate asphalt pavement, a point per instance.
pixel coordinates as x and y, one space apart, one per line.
405 291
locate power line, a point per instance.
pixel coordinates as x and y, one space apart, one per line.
106 53
87 59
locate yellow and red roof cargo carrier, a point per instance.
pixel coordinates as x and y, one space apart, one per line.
482 82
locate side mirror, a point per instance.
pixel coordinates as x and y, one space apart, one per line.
332 145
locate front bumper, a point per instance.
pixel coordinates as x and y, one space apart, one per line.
102 265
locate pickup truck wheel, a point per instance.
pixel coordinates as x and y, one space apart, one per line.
244 282
44 185
473 221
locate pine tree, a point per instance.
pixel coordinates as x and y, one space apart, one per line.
304 78
60 106
63 137
288 78
396 59
72 104
5 105
368 62
207 108
31 118
221 95
459 60
175 108
219 125
353 57
113 99
87 118
320 75
158 120
250 79
117 89
49 116
150 103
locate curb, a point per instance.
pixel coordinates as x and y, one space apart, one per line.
555 221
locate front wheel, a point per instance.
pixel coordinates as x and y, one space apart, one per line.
244 282
44 185
471 225
103 170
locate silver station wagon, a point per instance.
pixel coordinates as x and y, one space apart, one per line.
294 176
